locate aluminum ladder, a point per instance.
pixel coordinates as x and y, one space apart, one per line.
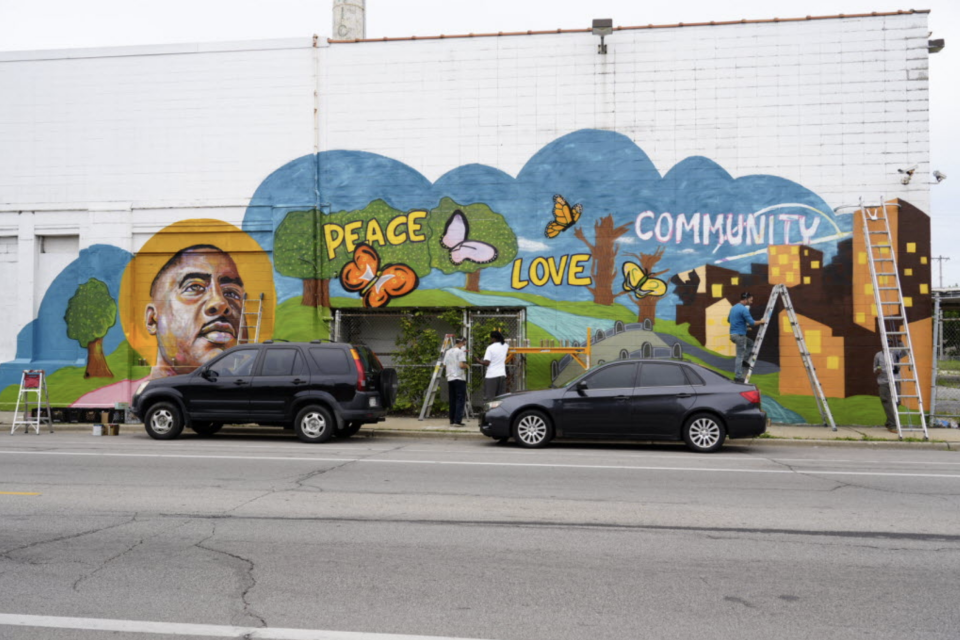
32 381
435 378
888 297
781 293
250 308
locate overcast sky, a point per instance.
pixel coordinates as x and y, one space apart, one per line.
59 24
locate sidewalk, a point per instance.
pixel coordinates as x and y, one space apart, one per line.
437 426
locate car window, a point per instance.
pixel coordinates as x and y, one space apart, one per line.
617 376
332 361
654 374
692 377
235 363
280 362
369 359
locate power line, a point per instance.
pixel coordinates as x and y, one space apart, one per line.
941 259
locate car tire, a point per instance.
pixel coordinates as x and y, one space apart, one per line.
389 385
349 429
532 429
206 429
163 421
314 424
704 433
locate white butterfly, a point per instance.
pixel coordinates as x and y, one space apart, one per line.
455 239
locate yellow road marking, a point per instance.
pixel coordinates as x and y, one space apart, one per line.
17 493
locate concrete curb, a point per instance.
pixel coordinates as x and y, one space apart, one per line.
471 433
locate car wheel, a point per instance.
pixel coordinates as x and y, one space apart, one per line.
206 429
389 384
349 429
704 433
163 421
314 424
532 429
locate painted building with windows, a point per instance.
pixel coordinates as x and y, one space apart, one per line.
145 191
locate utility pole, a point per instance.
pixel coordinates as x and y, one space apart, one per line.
941 259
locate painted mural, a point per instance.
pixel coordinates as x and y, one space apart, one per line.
587 234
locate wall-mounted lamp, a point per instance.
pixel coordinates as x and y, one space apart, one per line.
939 177
602 27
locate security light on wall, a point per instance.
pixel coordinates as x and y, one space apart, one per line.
906 174
602 27
939 177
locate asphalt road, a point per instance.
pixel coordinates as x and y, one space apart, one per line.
392 538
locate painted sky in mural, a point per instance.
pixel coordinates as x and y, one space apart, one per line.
701 213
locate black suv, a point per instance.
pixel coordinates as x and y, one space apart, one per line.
319 389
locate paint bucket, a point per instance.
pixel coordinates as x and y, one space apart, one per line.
113 429
98 429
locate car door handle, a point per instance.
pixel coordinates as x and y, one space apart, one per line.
239 383
299 381
684 395
622 398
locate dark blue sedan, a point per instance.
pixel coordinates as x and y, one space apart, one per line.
631 400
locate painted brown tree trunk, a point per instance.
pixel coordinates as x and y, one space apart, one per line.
97 366
603 266
647 307
316 292
473 281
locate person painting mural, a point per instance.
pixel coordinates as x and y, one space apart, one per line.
455 363
740 321
883 383
495 360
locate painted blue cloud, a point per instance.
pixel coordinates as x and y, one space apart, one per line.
604 171
43 344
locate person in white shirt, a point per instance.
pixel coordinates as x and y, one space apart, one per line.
455 362
495 360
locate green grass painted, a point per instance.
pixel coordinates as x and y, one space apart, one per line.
67 385
297 323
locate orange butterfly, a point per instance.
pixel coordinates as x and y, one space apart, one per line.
377 285
565 216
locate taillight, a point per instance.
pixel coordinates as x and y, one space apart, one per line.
752 397
361 372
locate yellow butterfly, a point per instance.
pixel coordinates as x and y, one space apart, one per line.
566 216
635 279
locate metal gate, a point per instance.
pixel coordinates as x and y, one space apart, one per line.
380 330
945 379
512 323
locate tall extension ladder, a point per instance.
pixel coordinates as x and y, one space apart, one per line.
246 324
780 292
448 342
888 297
32 381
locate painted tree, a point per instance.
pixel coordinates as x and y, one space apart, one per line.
90 314
296 253
647 305
468 239
603 266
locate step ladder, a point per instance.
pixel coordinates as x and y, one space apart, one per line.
33 382
250 324
892 317
782 294
448 343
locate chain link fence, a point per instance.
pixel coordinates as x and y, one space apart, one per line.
381 331
945 394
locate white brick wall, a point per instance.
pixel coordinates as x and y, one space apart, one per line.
836 105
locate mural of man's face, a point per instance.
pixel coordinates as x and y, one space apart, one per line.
195 311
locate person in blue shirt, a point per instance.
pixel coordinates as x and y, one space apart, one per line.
740 321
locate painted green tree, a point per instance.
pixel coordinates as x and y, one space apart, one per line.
315 247
90 314
297 254
486 240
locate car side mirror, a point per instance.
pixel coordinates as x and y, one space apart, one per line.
209 374
582 386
